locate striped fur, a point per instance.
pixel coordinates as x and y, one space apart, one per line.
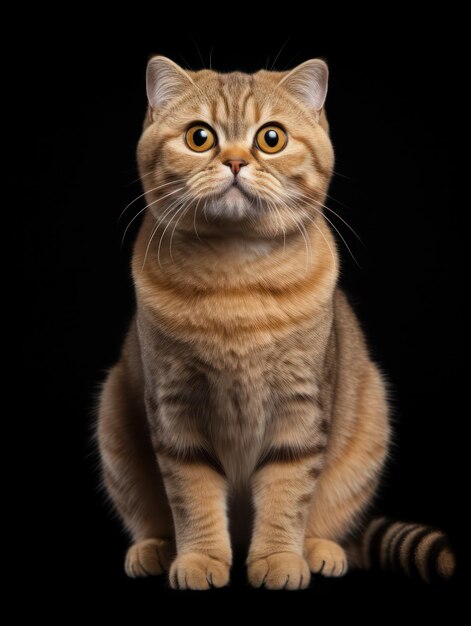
245 399
418 550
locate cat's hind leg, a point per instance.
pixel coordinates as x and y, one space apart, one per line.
325 557
131 474
357 451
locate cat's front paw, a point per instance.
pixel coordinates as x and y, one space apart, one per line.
149 557
282 570
325 557
198 571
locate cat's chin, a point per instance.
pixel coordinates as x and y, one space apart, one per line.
233 204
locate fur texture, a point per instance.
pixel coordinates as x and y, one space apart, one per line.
244 387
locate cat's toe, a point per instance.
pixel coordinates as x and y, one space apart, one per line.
198 571
325 557
283 570
149 557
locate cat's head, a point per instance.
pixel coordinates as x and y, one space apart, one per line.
235 150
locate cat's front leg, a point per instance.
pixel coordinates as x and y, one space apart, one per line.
282 493
283 487
194 482
197 494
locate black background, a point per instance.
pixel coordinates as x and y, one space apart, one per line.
392 130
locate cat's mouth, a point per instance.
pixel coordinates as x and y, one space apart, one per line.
236 190
234 201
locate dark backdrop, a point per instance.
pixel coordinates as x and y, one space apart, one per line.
392 131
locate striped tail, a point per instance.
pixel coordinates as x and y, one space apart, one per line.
415 549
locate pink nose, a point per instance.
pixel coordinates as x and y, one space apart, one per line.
235 165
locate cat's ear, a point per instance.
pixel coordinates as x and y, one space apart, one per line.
308 82
164 81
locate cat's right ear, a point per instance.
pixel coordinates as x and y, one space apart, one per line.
164 81
308 83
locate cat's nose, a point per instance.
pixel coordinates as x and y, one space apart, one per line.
235 165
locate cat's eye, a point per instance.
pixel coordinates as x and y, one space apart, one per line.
271 139
200 138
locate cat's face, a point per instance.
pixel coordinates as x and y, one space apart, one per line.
236 151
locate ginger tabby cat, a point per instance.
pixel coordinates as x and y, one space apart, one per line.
245 388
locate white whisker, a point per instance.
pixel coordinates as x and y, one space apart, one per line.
194 219
311 198
278 55
139 178
337 231
152 233
279 220
175 213
328 245
184 212
312 202
146 207
301 229
173 205
148 191
342 220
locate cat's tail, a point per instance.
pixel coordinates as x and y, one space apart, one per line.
415 549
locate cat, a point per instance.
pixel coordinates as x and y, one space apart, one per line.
245 394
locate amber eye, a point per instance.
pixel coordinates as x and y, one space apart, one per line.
271 139
200 138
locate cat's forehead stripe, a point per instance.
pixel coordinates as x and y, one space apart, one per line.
232 104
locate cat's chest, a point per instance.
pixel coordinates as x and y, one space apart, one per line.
240 402
227 326
240 407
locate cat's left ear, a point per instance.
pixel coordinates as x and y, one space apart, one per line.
308 82
165 80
